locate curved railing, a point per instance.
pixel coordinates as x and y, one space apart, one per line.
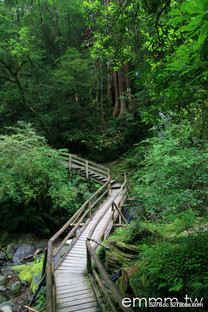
115 206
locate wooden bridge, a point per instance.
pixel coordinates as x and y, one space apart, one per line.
78 280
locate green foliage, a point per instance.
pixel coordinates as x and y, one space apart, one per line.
41 302
118 136
34 181
173 176
173 269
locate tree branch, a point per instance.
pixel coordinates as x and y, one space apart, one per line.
161 11
7 78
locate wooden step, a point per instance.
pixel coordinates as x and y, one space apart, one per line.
115 186
79 307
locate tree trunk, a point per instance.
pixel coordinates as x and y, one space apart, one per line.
128 86
110 91
116 94
121 91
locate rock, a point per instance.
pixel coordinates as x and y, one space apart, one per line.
15 288
118 245
2 288
36 281
7 271
10 251
3 280
3 256
6 306
3 298
126 274
25 284
120 253
23 252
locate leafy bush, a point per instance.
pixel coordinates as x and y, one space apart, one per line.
34 183
173 269
173 176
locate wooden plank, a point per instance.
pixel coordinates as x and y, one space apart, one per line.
94 309
66 267
75 277
71 267
74 262
69 289
74 259
66 296
62 282
78 296
70 283
69 274
80 307
76 249
78 253
62 275
74 294
75 256
81 293
64 290
75 302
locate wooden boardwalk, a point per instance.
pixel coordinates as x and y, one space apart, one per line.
69 285
73 288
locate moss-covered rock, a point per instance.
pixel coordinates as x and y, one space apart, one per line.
3 298
120 254
10 251
27 272
6 306
15 288
3 280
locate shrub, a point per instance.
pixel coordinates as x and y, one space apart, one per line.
173 269
34 183
173 177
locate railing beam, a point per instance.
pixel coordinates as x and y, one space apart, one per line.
87 170
49 280
114 290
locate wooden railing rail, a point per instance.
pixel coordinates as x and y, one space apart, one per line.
91 254
113 214
81 217
75 161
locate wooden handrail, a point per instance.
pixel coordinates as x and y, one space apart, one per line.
88 166
92 254
114 290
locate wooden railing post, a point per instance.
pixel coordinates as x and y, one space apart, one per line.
89 262
49 280
75 233
90 210
70 162
119 217
109 180
87 169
